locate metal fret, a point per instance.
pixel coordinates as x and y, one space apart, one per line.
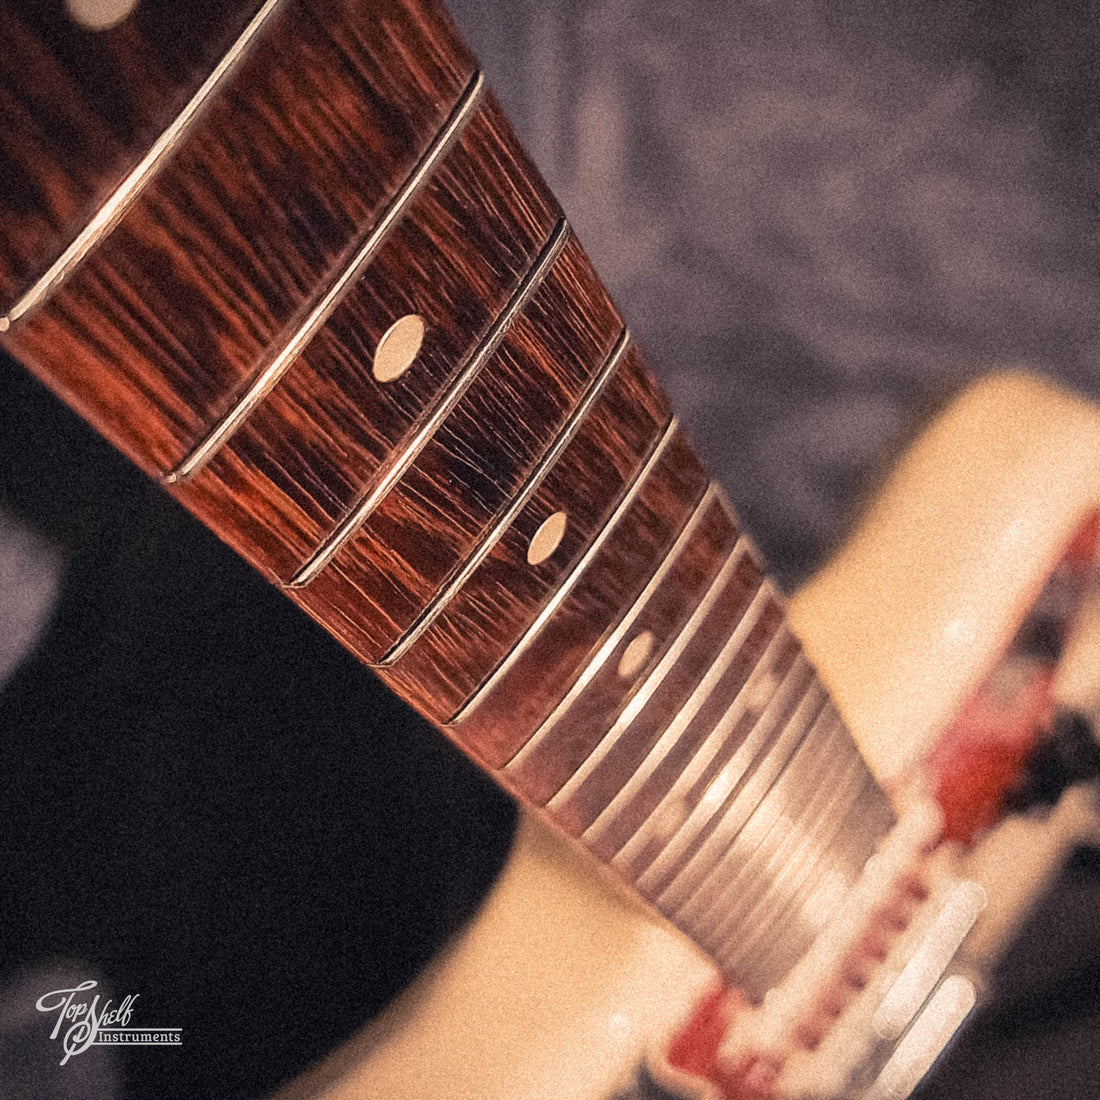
678 726
400 461
745 808
297 341
615 637
793 877
772 827
703 757
737 872
573 577
507 517
721 804
662 813
110 213
655 678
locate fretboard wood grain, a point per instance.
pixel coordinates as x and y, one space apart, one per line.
315 445
97 102
349 172
290 164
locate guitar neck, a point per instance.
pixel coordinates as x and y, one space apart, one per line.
297 267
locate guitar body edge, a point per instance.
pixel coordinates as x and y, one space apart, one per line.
558 987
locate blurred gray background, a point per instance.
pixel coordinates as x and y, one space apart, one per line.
820 219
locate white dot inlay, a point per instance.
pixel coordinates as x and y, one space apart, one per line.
547 538
99 15
759 694
399 346
635 655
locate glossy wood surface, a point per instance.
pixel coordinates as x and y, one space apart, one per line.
670 696
713 708
80 107
486 619
527 693
375 587
157 331
665 614
533 410
315 445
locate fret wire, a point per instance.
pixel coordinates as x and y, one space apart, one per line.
730 783
652 681
828 767
789 881
819 859
708 750
706 811
122 198
297 341
738 867
782 873
611 642
684 717
741 809
574 576
492 536
429 422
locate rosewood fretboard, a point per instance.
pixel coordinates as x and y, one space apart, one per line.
292 261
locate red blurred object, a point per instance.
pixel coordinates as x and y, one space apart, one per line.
984 753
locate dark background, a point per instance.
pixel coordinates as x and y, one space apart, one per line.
821 220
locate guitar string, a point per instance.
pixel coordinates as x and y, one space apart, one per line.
159 153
